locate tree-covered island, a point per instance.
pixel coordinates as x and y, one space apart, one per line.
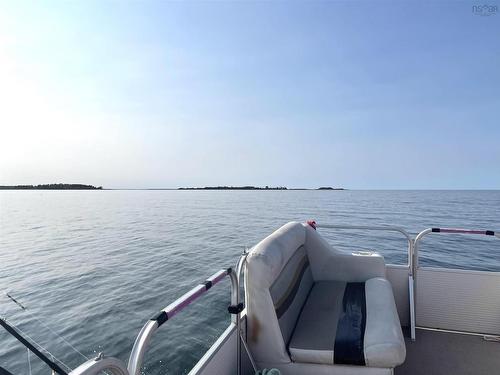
51 187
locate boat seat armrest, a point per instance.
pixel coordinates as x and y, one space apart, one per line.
328 263
350 268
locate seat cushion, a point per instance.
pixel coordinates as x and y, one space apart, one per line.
314 337
349 323
384 344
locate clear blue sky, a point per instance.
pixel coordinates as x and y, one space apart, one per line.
159 94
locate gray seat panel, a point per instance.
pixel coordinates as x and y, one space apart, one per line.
314 337
313 340
290 290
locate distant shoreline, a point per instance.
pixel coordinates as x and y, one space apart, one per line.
233 188
255 188
51 187
206 188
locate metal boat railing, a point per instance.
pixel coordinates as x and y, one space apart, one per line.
236 307
386 228
416 243
413 263
113 366
428 231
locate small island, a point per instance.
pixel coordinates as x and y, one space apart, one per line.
233 188
51 187
254 188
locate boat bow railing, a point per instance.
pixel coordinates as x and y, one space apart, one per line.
386 228
425 232
428 231
236 307
413 255
147 331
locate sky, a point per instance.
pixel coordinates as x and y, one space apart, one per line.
143 94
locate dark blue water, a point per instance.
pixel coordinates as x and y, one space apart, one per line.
95 265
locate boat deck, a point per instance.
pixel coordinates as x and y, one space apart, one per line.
443 353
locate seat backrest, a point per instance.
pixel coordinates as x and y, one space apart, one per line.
278 279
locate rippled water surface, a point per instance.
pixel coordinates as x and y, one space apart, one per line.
95 265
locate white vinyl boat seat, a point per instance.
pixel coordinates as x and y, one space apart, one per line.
332 328
309 304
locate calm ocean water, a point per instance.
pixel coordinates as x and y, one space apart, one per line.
95 265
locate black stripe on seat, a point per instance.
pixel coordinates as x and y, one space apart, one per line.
290 294
349 340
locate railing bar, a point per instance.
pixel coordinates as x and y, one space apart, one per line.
218 276
484 335
184 301
463 231
380 228
367 227
142 340
411 295
193 294
427 231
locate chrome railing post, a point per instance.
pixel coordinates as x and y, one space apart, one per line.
417 242
140 346
238 307
411 286
235 318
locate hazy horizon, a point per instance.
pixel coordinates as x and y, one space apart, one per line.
361 95
260 188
